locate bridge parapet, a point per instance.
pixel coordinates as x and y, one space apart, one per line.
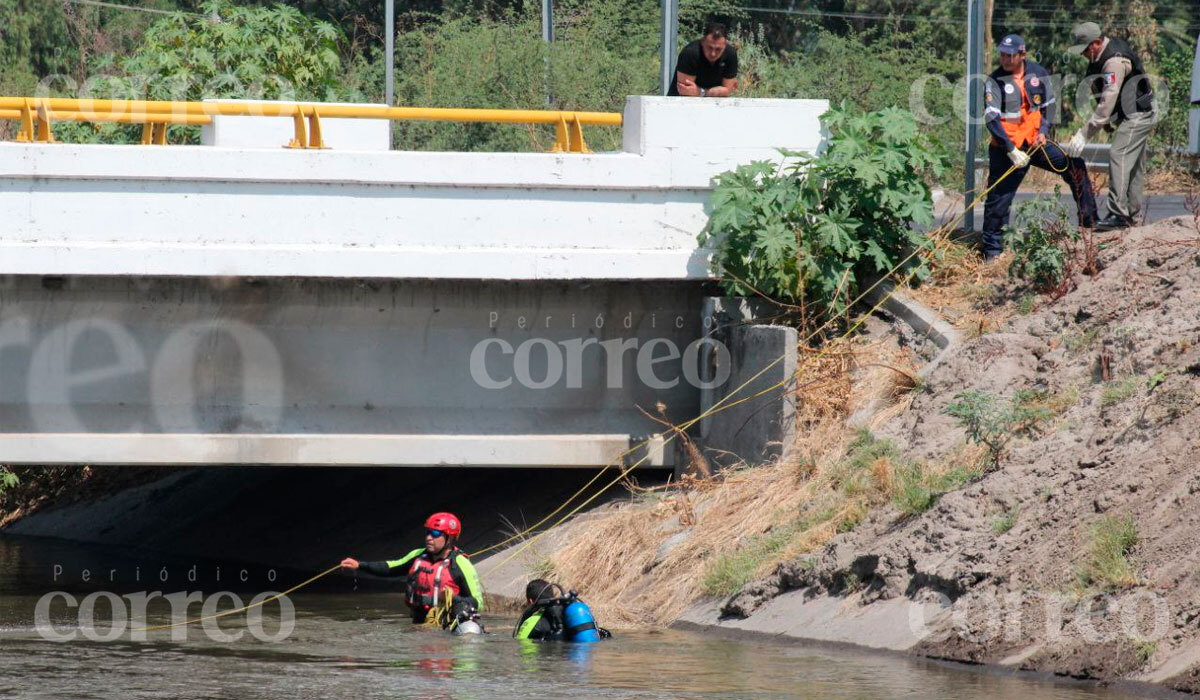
276 212
227 304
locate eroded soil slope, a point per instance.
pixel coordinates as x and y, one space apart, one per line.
1097 510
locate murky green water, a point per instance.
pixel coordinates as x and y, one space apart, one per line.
352 643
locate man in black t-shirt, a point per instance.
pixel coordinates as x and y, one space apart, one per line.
706 67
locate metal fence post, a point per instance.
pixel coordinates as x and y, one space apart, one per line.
974 102
670 34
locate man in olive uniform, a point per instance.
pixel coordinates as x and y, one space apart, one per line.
1125 104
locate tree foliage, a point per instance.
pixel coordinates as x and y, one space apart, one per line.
807 232
231 51
34 41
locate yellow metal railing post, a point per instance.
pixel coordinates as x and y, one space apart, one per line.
160 135
577 144
314 130
26 132
562 142
147 133
300 138
44 133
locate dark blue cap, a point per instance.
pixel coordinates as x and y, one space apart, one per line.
1011 44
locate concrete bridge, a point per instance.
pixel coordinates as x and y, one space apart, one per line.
242 303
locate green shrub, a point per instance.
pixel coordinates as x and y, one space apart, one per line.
1107 562
806 232
1040 236
991 421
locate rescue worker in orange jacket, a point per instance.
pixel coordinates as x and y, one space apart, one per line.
432 570
1016 100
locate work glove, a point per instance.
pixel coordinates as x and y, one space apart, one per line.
1074 147
1018 157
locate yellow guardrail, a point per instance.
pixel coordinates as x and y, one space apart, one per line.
37 114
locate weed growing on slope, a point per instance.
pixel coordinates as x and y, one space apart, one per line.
992 421
1107 564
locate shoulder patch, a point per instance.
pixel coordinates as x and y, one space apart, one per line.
1034 81
987 97
1110 78
1008 88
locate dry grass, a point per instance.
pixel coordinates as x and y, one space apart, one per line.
645 560
762 515
965 290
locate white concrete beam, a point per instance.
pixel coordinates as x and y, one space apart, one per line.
326 450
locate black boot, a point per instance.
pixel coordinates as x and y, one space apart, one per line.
1113 222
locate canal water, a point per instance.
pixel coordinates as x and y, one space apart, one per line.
354 641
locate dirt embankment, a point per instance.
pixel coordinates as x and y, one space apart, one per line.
1076 552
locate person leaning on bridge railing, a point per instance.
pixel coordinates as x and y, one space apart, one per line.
1124 101
707 67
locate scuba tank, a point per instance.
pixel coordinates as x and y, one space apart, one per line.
580 624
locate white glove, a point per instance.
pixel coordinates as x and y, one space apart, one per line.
1074 147
1018 157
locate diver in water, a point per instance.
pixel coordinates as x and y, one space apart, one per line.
434 570
552 616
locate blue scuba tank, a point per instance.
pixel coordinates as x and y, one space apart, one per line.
580 624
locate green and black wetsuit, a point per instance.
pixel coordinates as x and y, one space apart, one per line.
541 622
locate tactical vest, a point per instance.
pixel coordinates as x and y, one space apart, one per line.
1142 100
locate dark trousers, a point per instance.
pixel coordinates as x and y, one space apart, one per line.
999 200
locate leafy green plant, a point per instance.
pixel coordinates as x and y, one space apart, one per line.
992 421
807 231
1040 237
1107 562
7 479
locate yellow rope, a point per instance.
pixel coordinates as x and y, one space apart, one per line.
443 610
718 407
277 596
437 615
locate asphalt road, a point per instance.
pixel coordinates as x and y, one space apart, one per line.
1157 207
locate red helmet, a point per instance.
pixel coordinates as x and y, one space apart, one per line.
446 522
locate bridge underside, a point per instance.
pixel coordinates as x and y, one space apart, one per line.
112 370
